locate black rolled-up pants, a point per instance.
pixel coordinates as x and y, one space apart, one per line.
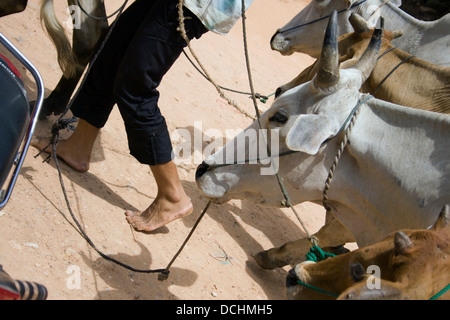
142 47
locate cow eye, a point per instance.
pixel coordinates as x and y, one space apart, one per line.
357 271
279 117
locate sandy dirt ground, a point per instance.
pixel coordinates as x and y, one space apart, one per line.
39 241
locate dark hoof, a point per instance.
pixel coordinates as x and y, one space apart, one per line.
48 108
263 260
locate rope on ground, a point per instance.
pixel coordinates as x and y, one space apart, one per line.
163 273
66 123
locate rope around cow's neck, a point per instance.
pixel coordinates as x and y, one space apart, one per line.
351 119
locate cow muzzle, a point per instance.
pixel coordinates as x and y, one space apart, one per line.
212 185
291 278
201 170
280 43
292 287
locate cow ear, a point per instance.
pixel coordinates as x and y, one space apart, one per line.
402 243
443 221
309 132
358 23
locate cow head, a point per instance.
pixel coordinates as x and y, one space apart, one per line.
351 47
303 32
412 264
418 266
302 118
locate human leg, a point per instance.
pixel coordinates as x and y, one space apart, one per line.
95 100
170 203
76 150
152 52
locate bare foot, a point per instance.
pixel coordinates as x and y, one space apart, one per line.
70 155
159 213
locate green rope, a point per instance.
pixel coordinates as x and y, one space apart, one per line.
316 254
317 289
440 293
262 98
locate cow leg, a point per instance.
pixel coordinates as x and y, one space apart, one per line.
12 6
59 98
85 39
90 31
331 237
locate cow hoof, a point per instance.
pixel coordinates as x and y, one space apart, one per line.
263 260
49 107
45 112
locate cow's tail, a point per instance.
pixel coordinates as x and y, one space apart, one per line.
66 57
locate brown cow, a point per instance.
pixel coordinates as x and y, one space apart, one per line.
412 264
415 83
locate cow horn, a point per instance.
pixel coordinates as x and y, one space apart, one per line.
358 23
328 74
444 218
369 58
402 243
397 34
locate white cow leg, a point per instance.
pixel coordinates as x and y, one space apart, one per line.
333 234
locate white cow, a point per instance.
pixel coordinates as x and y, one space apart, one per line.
428 40
394 173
